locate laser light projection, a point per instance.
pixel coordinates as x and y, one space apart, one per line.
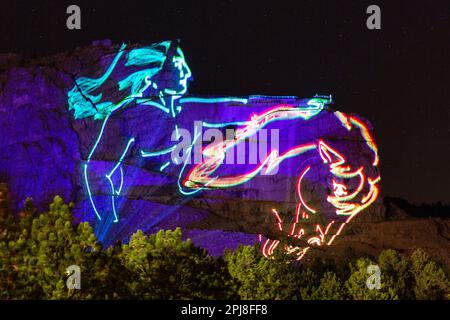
300 168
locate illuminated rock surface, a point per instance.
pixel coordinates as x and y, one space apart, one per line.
44 151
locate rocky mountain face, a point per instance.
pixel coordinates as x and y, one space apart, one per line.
44 151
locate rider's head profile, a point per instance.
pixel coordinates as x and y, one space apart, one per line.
176 72
144 72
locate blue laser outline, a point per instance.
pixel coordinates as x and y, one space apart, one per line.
121 158
224 124
145 154
121 182
164 166
181 64
109 175
89 192
213 100
153 104
196 136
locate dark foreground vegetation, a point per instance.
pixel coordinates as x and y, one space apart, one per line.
36 249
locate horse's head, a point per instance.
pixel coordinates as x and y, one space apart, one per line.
340 182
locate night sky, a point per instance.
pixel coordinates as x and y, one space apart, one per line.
397 77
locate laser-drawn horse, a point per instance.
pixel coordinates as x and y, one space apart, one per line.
351 188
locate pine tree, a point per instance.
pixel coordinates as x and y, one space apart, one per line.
431 282
396 267
262 278
168 268
330 288
357 288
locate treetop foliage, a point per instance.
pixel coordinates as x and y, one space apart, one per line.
37 248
